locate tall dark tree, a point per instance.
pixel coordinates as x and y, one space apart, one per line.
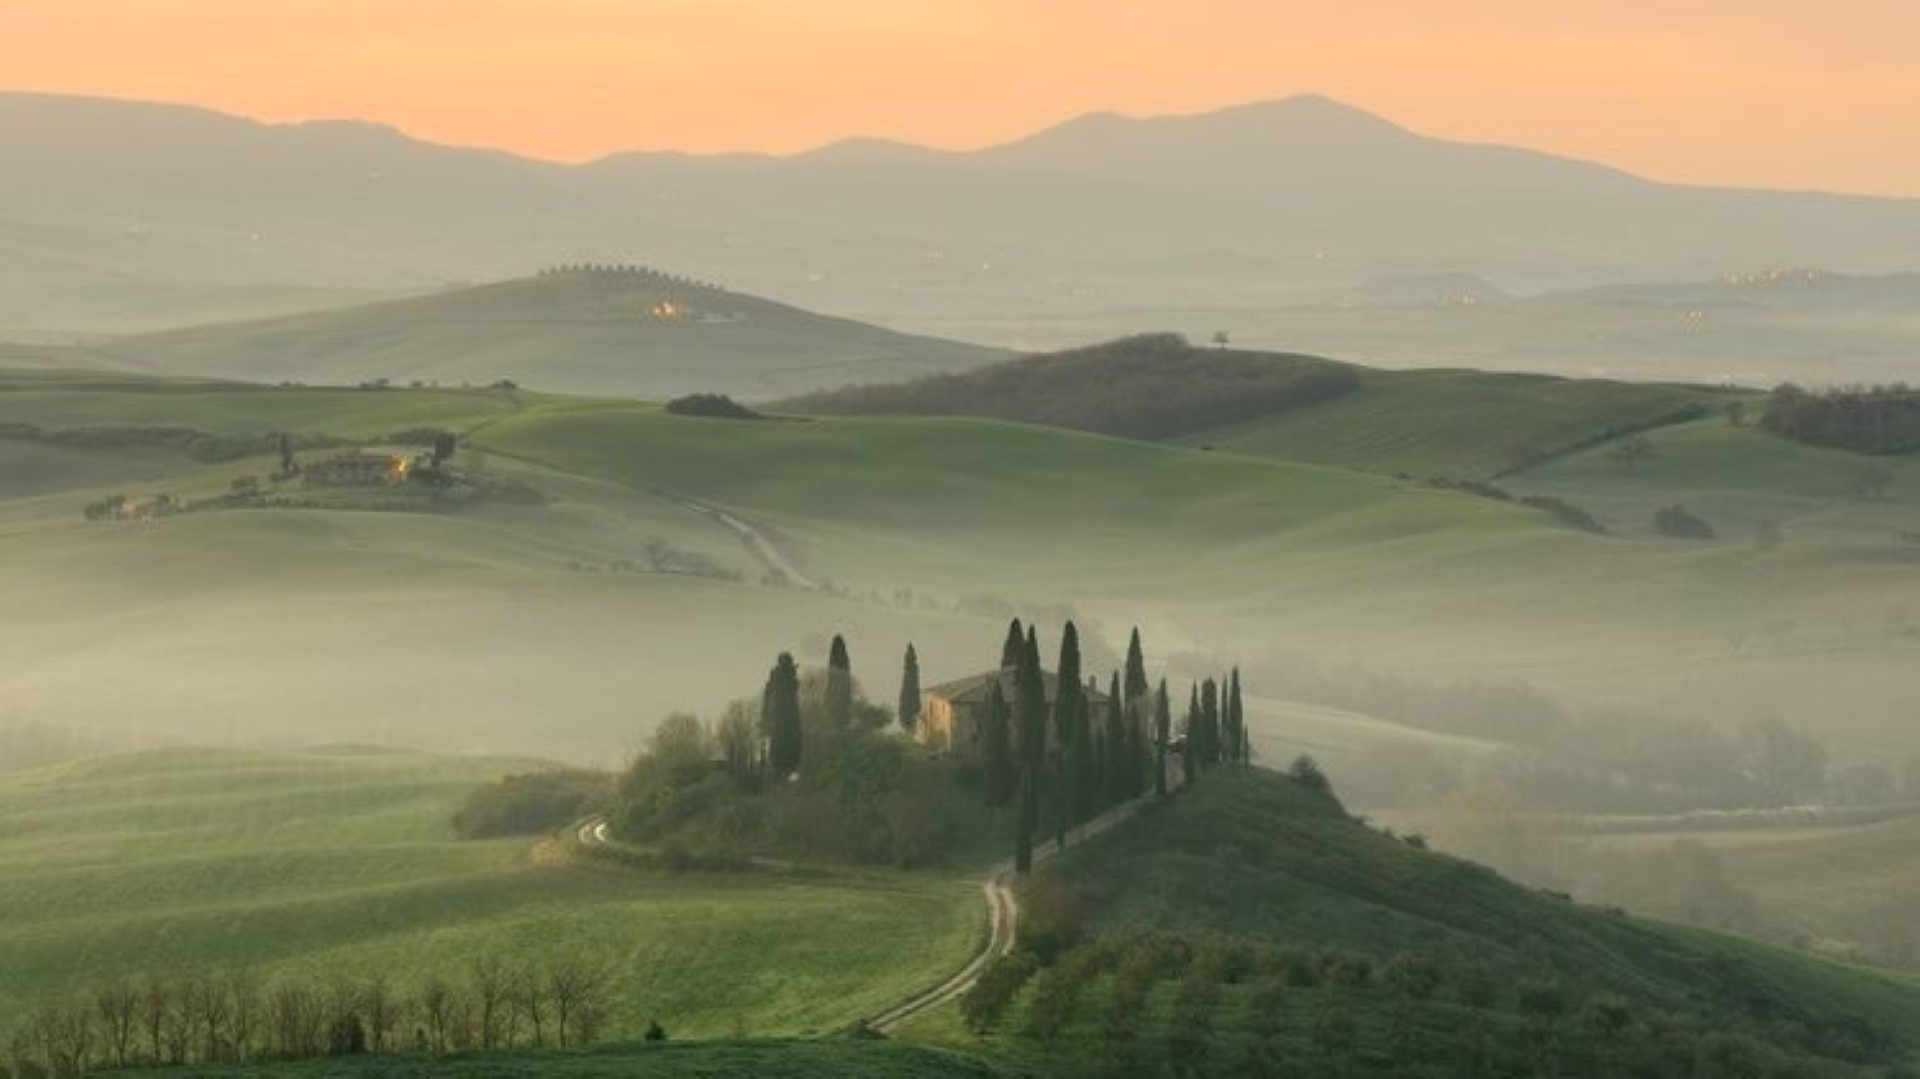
1069 700
839 685
1000 770
1210 723
1083 766
1136 683
910 691
1162 737
1237 720
1030 728
1015 648
1063 781
1118 754
781 716
1195 738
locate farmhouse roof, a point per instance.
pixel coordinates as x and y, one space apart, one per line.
974 689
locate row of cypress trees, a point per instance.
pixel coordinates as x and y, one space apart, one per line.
1060 761
1068 760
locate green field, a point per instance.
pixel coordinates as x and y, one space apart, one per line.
329 863
1462 424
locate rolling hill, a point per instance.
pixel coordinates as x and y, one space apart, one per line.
1461 424
618 331
1250 925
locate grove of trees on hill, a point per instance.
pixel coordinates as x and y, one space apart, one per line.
812 768
1860 419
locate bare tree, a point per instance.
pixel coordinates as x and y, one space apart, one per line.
214 1015
64 1032
244 993
382 1014
153 1018
575 989
436 1006
117 1006
490 986
530 1001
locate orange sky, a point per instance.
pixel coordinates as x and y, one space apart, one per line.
1727 91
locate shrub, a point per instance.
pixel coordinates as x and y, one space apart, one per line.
1566 513
717 406
1679 522
531 804
983 1005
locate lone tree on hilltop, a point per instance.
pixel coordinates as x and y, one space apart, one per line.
780 716
910 691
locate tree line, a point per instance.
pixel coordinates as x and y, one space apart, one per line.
1058 763
234 1017
1861 419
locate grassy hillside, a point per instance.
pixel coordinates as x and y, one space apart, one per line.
339 863
1250 927
1457 423
1464 424
615 332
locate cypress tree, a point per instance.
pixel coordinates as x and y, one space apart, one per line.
1069 702
839 685
1162 735
1119 755
1083 766
1069 782
1210 721
1237 720
996 751
1015 647
1136 684
1190 760
781 716
910 691
1030 723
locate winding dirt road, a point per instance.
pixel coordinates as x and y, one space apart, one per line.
1003 912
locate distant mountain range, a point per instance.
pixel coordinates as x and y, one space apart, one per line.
1251 208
